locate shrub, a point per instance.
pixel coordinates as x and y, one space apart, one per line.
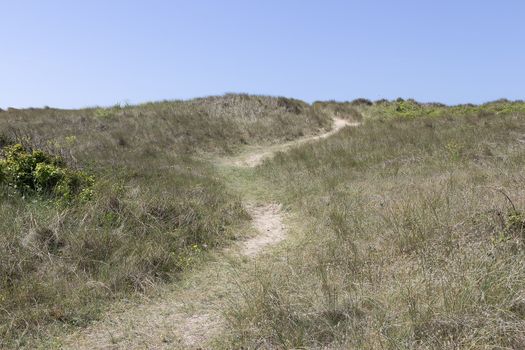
103 113
382 101
362 102
515 223
39 172
5 140
290 105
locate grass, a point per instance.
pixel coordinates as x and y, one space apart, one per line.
408 234
405 233
157 205
218 124
412 109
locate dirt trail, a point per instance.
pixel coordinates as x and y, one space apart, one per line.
189 315
268 222
255 156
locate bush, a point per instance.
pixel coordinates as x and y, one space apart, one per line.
515 223
382 101
5 140
362 102
290 105
38 172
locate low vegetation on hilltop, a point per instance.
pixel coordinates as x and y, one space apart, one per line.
345 110
401 108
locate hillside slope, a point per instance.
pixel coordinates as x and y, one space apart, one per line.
157 207
406 232
409 234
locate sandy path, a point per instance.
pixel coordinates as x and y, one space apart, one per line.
256 156
268 222
190 315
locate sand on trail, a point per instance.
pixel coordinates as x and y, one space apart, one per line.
189 315
256 156
268 222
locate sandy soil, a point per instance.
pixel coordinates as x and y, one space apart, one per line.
268 222
256 156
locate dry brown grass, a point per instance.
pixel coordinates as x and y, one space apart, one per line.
403 239
407 231
157 208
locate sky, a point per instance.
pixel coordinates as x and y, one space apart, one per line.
72 54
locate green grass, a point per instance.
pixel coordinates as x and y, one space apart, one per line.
413 109
408 233
157 205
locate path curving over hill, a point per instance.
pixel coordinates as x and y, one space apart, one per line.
189 315
254 156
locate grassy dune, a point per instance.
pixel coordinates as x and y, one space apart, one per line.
405 232
219 124
409 233
156 208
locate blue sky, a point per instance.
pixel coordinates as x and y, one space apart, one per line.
101 52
